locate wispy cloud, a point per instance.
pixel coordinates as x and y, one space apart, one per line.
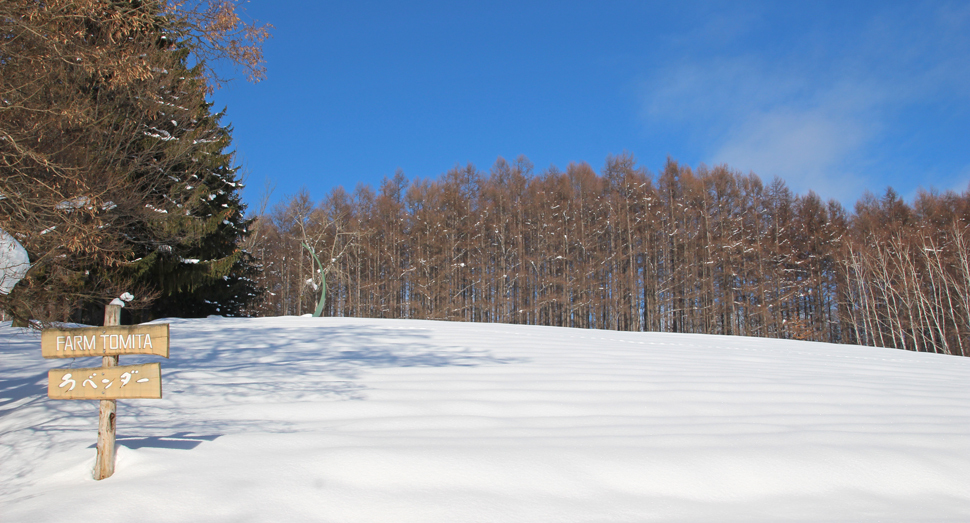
772 121
818 112
809 149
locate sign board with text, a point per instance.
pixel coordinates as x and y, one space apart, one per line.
105 341
106 383
110 382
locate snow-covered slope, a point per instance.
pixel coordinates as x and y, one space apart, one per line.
347 420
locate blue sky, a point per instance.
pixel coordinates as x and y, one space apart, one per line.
835 97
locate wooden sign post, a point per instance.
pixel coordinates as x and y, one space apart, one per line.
104 463
109 382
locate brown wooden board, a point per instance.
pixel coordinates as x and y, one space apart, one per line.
106 383
105 341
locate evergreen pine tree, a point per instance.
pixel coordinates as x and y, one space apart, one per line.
110 154
207 273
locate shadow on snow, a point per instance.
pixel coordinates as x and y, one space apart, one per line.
178 441
214 363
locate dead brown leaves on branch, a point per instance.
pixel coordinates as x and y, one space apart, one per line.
96 132
218 33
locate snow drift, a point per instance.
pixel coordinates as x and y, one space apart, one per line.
352 420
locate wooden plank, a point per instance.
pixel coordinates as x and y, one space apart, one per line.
106 383
105 341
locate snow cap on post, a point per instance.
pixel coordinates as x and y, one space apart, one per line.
122 300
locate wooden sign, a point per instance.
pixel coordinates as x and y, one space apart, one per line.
109 382
105 341
106 383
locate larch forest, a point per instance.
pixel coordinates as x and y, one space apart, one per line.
705 250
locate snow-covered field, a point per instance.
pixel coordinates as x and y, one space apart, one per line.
350 420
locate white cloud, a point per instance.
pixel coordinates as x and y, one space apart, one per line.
772 121
714 89
808 149
818 113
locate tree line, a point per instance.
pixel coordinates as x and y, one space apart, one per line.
117 176
706 250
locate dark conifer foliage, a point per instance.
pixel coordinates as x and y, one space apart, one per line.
700 251
211 273
190 263
107 147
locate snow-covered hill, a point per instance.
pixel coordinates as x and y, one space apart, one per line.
350 420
